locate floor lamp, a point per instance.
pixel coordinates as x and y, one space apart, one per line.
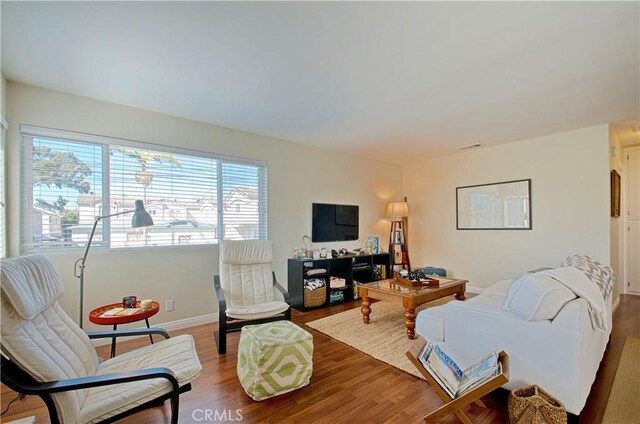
141 218
398 250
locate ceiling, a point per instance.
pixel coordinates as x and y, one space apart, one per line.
383 80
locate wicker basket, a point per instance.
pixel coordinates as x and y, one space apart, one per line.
315 297
532 405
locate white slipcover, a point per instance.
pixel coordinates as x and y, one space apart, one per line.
39 336
561 355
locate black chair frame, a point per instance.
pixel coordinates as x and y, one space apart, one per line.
18 380
229 325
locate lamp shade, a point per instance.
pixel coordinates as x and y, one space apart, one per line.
397 210
141 217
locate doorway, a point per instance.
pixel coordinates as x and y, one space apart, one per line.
632 221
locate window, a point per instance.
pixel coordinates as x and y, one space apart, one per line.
193 198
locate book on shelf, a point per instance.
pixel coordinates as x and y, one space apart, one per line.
450 377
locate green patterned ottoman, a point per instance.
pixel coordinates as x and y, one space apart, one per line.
274 358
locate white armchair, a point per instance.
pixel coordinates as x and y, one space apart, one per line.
247 289
45 353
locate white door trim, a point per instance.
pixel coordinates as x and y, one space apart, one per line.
626 220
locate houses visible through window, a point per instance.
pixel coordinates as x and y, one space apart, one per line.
69 179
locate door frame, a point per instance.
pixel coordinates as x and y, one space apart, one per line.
625 213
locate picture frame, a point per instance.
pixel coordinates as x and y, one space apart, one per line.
495 206
615 194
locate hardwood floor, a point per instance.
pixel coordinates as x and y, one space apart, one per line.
347 386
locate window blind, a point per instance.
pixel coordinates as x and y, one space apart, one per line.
69 179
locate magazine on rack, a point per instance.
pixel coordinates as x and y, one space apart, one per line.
448 374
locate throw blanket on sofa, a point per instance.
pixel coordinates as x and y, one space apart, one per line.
601 275
583 287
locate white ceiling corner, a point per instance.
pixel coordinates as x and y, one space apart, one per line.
366 78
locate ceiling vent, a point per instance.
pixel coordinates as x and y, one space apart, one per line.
471 146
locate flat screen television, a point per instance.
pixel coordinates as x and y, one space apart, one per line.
334 222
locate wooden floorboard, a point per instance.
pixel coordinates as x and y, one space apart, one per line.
347 386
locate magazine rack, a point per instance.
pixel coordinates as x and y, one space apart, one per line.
454 405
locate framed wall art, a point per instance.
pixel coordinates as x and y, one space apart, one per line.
615 194
496 206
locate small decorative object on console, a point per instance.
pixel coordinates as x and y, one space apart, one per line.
374 242
336 296
129 302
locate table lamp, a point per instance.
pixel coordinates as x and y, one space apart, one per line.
141 218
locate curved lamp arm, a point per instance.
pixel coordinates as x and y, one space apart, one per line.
141 218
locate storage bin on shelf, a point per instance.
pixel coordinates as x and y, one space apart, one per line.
336 296
315 292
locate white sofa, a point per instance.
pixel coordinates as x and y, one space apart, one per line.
560 354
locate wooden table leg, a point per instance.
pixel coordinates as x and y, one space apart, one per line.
460 295
410 322
366 310
113 342
150 335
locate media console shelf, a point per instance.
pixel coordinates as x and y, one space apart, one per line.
360 268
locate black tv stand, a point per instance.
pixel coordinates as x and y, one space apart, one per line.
359 268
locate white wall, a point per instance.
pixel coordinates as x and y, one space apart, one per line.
297 176
3 95
570 206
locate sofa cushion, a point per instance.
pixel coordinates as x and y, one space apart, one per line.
260 310
430 323
535 297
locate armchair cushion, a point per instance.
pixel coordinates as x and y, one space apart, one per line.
246 274
31 284
49 347
175 353
534 297
261 310
247 252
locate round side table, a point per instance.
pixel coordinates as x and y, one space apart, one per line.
96 317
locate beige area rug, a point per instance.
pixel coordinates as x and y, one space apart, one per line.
623 405
385 338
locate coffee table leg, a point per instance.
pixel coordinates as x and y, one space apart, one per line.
410 322
113 342
460 295
366 310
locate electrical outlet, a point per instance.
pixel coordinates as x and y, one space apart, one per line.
168 306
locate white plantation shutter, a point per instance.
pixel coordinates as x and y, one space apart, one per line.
244 212
190 195
178 190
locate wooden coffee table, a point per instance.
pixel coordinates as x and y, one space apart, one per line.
409 297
